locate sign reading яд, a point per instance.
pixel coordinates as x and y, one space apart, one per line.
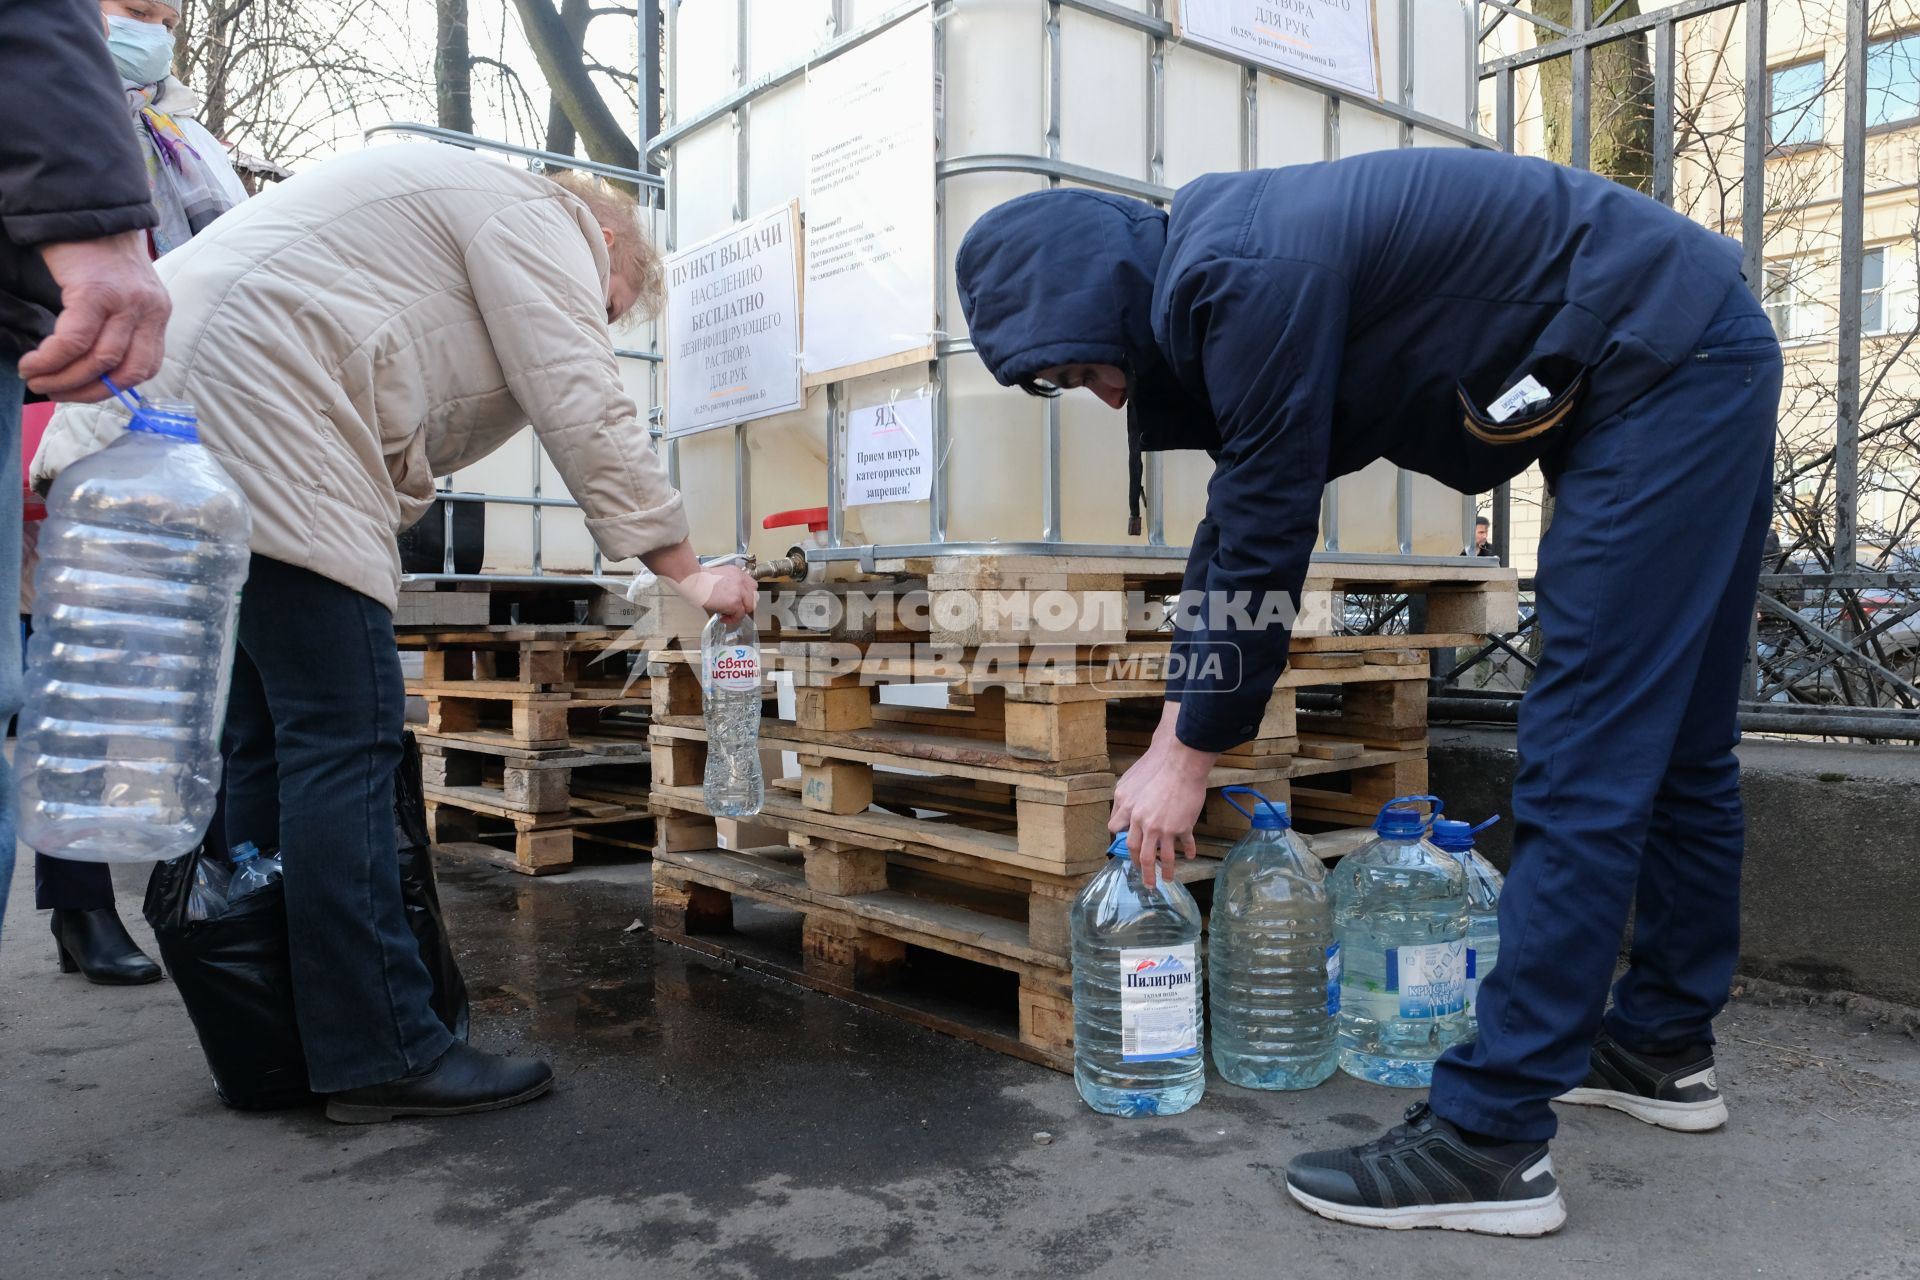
733 325
888 458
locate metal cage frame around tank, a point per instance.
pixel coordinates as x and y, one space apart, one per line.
1154 24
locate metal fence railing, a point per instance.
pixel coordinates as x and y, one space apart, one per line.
1689 118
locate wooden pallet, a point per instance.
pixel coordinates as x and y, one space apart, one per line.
535 844
989 599
1010 819
561 601
866 948
865 914
535 782
531 660
1072 706
527 721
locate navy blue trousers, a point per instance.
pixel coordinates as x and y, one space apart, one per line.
312 743
1628 792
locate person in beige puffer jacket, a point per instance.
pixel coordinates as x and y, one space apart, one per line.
381 319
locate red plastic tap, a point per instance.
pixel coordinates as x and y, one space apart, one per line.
815 518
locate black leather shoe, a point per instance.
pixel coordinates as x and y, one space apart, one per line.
97 944
461 1081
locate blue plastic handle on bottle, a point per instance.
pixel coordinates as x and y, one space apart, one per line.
1275 817
1422 821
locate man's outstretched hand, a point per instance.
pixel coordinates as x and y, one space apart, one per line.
1160 798
112 323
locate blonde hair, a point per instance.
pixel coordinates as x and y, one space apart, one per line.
632 255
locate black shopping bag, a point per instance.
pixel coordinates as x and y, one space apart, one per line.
235 977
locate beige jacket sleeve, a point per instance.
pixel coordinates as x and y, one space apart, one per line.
76 431
537 285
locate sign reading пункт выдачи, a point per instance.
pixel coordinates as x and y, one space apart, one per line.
733 325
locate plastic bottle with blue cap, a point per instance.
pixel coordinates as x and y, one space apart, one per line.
1400 919
1136 992
1270 957
1484 883
141 562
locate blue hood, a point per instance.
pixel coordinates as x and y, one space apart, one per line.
1062 277
1067 277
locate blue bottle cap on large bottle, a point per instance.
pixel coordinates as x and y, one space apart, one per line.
1400 820
1118 849
1456 837
245 851
1267 815
169 418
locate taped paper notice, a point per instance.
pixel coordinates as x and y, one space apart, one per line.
1331 41
889 452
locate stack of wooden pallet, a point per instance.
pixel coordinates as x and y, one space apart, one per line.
535 742
953 838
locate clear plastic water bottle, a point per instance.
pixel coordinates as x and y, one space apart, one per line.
730 662
1136 992
1269 953
1400 919
141 562
251 872
1484 883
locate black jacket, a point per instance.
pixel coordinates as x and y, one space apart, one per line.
1300 323
69 166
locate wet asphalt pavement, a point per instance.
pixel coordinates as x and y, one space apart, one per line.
710 1122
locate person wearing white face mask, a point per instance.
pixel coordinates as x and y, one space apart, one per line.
192 184
187 168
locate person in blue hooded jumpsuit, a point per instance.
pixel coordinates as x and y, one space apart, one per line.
1462 314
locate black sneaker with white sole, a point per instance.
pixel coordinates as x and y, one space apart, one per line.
1675 1091
1425 1174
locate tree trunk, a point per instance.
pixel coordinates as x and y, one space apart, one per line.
452 66
561 135
563 62
1621 102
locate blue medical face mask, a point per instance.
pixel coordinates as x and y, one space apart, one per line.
143 51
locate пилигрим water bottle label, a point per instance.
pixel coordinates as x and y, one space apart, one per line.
1333 979
1159 1002
734 666
1473 979
1431 980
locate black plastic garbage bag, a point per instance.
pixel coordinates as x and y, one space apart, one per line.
422 895
235 978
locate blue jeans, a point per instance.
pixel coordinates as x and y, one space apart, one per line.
1628 792
12 392
312 743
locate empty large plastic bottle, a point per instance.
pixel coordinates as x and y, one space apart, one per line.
730 657
1400 919
1269 949
1136 992
1484 883
141 562
251 872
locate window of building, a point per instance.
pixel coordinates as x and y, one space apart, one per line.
1794 115
1889 300
1790 299
1893 80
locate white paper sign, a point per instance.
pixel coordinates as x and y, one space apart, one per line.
733 325
1330 41
889 452
869 205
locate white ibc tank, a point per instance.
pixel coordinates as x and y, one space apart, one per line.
1126 89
